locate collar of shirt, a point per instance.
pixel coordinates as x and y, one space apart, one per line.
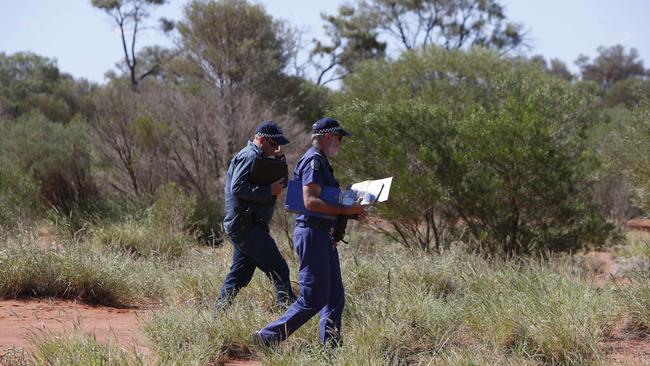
251 145
320 153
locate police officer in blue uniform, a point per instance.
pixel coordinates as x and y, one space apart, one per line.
249 209
321 285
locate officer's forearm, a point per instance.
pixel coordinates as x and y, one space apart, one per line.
318 205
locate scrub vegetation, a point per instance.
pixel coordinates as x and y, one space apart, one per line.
402 307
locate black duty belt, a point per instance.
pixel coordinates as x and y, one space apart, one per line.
322 224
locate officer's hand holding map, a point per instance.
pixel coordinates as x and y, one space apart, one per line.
367 192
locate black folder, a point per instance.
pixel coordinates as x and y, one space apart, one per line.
268 170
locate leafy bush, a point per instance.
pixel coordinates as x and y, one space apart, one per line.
207 221
57 156
401 139
474 141
19 198
163 231
627 152
172 209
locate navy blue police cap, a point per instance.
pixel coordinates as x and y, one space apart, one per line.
270 129
328 124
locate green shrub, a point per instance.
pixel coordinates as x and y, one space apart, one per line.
19 198
207 221
400 137
57 156
626 152
172 209
475 141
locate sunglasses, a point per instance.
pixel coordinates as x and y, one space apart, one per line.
272 143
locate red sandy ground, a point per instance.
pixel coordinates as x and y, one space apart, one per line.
20 318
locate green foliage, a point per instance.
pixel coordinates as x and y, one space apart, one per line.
405 140
172 209
19 199
29 82
164 231
630 93
234 43
613 64
455 79
493 141
449 24
353 37
515 179
627 153
207 220
57 156
359 30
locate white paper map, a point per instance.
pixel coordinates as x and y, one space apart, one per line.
369 190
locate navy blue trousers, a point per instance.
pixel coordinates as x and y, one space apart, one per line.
258 250
321 289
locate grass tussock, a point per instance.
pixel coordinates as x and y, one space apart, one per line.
77 348
635 299
75 271
143 240
196 336
637 245
402 309
539 311
454 309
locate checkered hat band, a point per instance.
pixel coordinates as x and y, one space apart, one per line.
332 129
273 136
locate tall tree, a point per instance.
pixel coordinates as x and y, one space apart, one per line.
452 24
359 30
554 67
353 38
238 49
611 65
234 44
157 59
31 82
129 16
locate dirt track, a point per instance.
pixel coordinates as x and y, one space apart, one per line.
19 319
